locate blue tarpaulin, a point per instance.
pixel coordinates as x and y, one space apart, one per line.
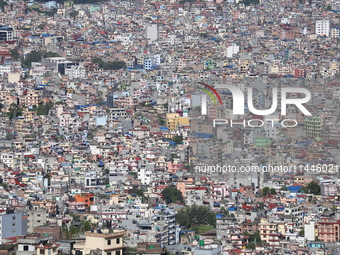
204 135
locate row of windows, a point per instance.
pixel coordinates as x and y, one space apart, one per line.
114 253
109 242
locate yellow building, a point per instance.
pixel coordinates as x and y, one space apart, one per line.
108 243
174 120
28 115
266 229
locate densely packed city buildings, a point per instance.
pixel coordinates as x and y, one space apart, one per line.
121 132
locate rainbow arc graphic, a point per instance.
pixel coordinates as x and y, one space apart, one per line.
211 92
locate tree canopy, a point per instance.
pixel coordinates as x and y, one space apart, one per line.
109 65
14 111
253 239
267 190
36 56
15 54
33 56
195 215
249 2
312 188
178 139
171 195
44 109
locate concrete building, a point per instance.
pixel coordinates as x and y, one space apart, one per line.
13 224
35 218
152 32
6 34
322 27
174 120
108 241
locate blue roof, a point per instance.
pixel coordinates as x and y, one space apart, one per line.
204 135
294 189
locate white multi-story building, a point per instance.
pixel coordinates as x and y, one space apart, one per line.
322 27
75 72
7 159
4 69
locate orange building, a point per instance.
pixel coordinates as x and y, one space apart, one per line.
86 198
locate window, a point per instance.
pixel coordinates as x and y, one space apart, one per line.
109 242
25 247
13 218
42 251
117 252
13 224
108 253
117 240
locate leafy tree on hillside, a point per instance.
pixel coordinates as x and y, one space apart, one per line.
74 14
171 195
14 111
178 139
109 65
312 188
33 56
51 54
190 216
15 54
44 109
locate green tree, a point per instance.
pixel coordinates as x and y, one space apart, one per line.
284 188
204 35
10 136
42 25
87 225
99 61
114 65
161 120
4 185
265 191
178 139
74 14
272 191
109 65
250 246
138 192
14 111
3 4
15 54
50 54
302 232
44 109
249 2
171 195
33 56
253 238
134 174
195 215
312 188
173 155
